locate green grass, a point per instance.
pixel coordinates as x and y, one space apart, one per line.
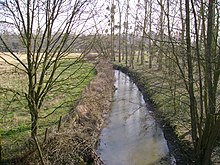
15 118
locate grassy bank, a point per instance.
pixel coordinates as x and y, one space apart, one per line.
15 117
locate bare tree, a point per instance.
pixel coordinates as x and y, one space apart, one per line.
206 142
150 35
46 31
134 35
143 39
126 27
112 23
161 35
120 28
202 78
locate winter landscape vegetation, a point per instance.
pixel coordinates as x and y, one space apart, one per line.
59 88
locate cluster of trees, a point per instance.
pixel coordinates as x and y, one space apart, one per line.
137 28
178 36
183 37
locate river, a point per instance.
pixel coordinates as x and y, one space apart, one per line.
131 135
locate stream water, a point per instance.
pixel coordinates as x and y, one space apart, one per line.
131 136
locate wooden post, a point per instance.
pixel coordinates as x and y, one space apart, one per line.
45 135
59 124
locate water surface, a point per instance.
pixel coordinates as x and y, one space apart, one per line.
131 137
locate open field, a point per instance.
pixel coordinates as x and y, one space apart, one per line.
22 56
15 119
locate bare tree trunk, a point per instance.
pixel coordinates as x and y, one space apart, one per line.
112 29
131 60
193 106
143 40
126 33
198 56
182 33
120 26
160 54
39 150
210 132
150 36
133 42
123 43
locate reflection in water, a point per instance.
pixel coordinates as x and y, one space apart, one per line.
132 137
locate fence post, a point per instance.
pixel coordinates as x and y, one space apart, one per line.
45 135
59 124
